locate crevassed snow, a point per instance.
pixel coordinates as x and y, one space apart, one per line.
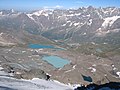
109 21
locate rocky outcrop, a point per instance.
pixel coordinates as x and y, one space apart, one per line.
107 86
20 73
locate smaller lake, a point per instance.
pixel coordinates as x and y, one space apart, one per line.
38 46
56 61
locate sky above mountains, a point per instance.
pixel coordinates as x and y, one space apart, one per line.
51 4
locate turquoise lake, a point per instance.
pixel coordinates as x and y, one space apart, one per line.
56 61
38 46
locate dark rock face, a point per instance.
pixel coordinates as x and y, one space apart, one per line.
107 86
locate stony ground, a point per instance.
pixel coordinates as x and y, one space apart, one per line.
21 60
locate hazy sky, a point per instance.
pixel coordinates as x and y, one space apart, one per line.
37 4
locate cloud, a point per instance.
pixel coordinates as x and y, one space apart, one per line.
58 6
54 7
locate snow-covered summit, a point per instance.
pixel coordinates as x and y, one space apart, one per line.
109 21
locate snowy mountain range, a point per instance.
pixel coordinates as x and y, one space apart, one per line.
73 25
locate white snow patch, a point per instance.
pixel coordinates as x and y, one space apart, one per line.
34 84
23 51
109 21
76 24
12 10
70 15
92 69
74 66
94 65
71 24
88 15
77 14
30 16
68 70
118 73
101 32
18 72
84 33
64 24
1 13
1 68
114 68
45 14
1 33
2 73
75 85
38 13
68 21
113 65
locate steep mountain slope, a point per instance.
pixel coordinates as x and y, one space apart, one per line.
22 29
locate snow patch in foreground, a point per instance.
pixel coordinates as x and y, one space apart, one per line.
7 82
34 84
